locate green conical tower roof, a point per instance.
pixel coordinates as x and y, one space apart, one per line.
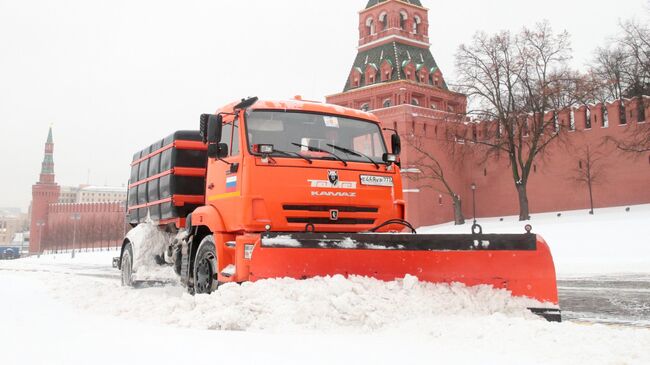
47 167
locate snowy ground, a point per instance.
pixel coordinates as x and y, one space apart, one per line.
612 241
59 310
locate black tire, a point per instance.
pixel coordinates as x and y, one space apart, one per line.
126 265
205 267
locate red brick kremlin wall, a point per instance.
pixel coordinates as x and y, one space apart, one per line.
625 178
100 225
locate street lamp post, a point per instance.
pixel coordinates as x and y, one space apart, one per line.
473 186
75 217
40 225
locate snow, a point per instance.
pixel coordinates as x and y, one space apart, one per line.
347 242
147 243
74 311
80 319
281 241
612 241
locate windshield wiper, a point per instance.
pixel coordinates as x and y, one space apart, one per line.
312 148
294 154
354 153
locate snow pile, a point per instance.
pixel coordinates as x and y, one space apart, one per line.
66 335
323 304
611 241
148 241
285 240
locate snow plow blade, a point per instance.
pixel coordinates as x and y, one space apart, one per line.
520 263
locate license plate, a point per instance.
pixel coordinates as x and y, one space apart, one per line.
376 180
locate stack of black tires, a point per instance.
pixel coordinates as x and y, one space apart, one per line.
167 178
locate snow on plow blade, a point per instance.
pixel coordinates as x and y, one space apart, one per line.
520 263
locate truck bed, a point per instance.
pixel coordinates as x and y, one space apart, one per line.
167 179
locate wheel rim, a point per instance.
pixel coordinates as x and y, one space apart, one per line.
204 274
126 269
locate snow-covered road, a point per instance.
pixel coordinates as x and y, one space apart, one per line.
58 310
76 312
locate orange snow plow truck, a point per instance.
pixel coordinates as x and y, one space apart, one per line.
268 189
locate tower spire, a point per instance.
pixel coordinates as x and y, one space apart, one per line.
47 167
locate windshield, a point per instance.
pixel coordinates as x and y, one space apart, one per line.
316 136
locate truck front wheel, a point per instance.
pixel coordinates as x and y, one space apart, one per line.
205 267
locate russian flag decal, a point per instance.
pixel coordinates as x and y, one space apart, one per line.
231 183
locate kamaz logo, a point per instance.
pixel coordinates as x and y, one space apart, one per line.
333 194
333 176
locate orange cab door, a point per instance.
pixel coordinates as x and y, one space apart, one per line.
225 179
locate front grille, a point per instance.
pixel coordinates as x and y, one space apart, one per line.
327 208
328 221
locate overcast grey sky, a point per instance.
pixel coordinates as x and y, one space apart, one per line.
114 76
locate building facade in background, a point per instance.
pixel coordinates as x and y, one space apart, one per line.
396 77
64 218
12 222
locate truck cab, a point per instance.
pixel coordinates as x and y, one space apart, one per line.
299 166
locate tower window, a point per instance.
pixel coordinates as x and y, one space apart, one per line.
402 19
370 26
365 107
387 103
383 21
416 24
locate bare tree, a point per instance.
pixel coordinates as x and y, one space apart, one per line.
590 171
519 83
622 72
431 175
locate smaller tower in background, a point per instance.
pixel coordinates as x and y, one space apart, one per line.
45 192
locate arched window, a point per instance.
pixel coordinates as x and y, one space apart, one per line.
383 20
415 102
386 103
402 19
587 117
416 24
370 26
365 107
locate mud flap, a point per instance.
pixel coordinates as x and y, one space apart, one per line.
520 263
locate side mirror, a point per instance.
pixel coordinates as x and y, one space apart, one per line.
215 125
396 144
389 158
223 150
210 128
218 150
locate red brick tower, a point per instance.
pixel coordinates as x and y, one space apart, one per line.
45 192
396 77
